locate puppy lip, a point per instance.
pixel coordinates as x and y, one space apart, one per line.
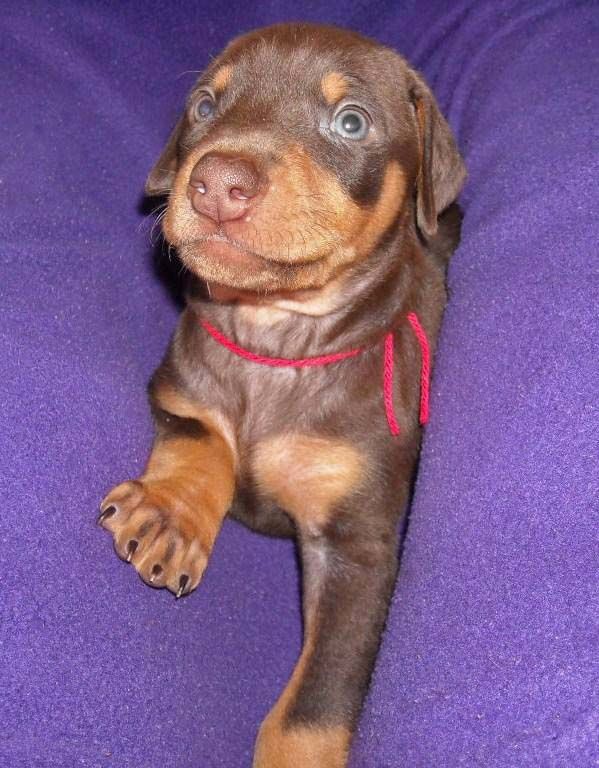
220 249
219 237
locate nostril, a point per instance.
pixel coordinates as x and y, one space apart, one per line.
200 186
223 187
238 194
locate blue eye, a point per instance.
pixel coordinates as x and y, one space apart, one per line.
351 123
204 107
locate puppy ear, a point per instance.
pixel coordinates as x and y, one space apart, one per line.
160 178
441 171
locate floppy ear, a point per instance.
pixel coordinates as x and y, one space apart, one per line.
441 171
160 178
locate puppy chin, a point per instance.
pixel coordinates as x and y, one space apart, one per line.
229 266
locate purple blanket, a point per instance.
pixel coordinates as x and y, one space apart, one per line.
490 654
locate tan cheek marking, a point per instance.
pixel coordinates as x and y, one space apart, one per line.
334 87
318 205
360 226
307 475
298 186
179 220
389 204
334 212
222 77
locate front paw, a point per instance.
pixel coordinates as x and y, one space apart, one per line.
158 533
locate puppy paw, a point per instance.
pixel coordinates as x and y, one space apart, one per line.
158 533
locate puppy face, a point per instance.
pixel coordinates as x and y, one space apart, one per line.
298 150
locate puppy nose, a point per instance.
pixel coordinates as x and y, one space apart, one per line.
223 187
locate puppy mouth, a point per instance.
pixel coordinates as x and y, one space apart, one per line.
220 247
219 258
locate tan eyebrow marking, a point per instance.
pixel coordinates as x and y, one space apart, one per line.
334 86
222 77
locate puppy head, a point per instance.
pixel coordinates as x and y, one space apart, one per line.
299 149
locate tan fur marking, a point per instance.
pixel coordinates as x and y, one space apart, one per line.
177 404
194 467
193 479
222 77
175 510
314 303
282 746
301 747
266 316
187 474
305 215
387 207
334 86
307 475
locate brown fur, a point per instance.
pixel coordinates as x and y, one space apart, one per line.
340 239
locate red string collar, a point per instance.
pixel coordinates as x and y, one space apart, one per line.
388 364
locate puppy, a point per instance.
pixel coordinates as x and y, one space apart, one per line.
311 182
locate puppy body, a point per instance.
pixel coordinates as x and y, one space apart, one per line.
302 239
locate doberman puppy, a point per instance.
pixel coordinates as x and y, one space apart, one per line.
311 183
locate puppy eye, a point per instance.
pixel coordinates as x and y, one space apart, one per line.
204 107
351 123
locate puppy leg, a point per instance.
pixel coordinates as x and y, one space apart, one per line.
348 581
165 523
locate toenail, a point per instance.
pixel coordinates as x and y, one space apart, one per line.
156 571
182 584
131 547
108 512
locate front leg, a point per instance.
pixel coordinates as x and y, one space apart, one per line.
348 545
348 581
165 523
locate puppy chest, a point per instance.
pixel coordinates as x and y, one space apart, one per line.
307 475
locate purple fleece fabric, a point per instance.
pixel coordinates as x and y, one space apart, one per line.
490 654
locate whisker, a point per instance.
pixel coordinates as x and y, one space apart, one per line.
157 223
145 218
189 72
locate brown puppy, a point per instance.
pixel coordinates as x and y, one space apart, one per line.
310 180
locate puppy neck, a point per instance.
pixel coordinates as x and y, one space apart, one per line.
340 298
352 310
270 309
